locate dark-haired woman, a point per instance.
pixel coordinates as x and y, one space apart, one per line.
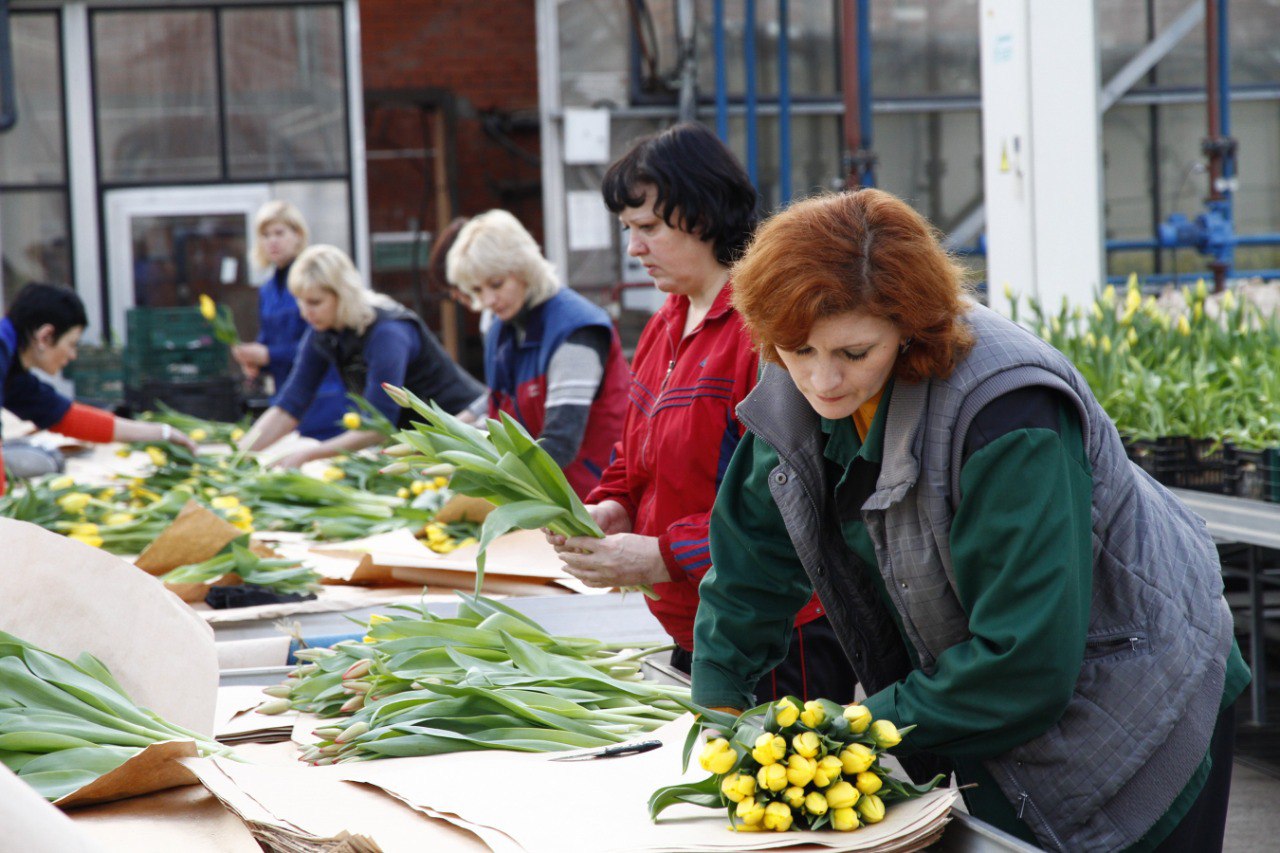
42 330
1001 575
689 208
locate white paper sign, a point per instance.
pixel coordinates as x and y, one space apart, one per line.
586 137
588 220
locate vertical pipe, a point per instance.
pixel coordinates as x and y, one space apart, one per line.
784 103
855 76
749 64
685 31
8 95
722 80
1213 95
1153 151
1219 145
864 83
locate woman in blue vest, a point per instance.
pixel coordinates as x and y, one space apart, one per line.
370 340
42 330
552 359
998 572
281 233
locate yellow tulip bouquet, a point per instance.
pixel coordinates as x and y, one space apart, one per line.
790 765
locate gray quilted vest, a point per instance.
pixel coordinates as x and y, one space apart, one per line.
1145 704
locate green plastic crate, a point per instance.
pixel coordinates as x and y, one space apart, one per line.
98 374
171 344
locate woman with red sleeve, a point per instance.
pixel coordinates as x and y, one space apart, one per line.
42 329
690 209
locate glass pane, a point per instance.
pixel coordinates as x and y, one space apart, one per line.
325 206
285 92
178 258
32 151
156 91
814 61
924 48
34 239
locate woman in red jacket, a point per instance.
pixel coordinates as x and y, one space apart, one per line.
42 330
690 209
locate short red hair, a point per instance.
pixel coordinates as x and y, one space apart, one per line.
865 251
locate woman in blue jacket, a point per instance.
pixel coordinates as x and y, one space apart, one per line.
281 234
370 340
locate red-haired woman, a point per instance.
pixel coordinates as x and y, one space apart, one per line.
997 570
690 209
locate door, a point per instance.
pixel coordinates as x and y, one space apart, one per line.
166 247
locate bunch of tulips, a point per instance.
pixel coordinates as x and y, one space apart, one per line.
791 765
487 678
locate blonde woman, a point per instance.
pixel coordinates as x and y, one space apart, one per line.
281 233
369 339
552 359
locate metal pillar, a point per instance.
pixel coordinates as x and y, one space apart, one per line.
855 73
1219 146
8 96
784 103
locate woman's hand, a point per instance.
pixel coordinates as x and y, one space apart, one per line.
296 459
177 436
251 357
609 516
621 559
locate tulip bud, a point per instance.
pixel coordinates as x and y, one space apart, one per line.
794 796
1184 327
275 706
351 420
74 503
378 619
856 758
777 816
842 795
444 469
718 757
327 733
208 309
871 808
395 469
237 434
397 395
859 717
60 483
844 820
885 734
750 812
1109 296
357 686
352 731
768 749
772 778
800 770
738 786
355 703
786 713
815 803
868 782
278 691
359 669
806 744
1201 289
829 768
399 450
812 715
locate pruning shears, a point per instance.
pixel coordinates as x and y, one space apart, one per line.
633 748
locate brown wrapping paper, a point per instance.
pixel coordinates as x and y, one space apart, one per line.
190 820
156 768
194 536
69 598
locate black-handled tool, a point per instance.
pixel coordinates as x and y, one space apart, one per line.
633 748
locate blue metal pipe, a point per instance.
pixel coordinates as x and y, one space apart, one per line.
749 56
1190 276
784 103
321 642
722 80
864 86
1258 239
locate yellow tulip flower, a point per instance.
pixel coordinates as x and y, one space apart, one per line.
885 734
74 502
60 483
750 812
856 759
718 757
351 420
225 502
86 528
777 816
859 718
813 715
842 795
828 771
332 474
844 820
815 803
208 309
806 744
91 541
794 796
738 786
800 770
198 435
772 778
769 748
785 713
868 782
871 808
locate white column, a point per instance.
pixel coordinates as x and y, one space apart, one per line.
555 242
355 118
1042 176
82 175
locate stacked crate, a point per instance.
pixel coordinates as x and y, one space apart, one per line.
172 357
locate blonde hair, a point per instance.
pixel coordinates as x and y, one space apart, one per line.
495 245
273 213
327 268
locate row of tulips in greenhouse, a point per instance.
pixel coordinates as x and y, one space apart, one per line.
1191 379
